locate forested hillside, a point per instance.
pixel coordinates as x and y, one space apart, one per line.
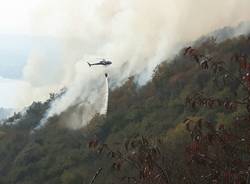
147 120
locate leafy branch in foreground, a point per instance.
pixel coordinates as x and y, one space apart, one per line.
217 154
142 156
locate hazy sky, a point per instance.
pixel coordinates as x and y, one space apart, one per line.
15 16
18 16
8 88
15 22
14 19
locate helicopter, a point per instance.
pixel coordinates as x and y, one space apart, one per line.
103 62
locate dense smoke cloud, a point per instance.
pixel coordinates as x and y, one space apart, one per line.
135 34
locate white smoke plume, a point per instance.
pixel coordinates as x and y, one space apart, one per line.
135 34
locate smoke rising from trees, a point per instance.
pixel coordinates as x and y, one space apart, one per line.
135 34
